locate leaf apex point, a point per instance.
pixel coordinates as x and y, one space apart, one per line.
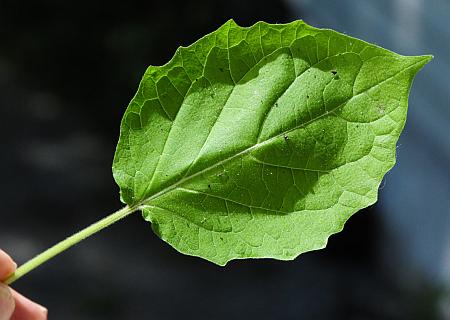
428 57
424 60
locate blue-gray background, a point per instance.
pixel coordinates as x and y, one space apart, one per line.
67 72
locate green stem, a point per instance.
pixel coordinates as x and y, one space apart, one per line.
69 242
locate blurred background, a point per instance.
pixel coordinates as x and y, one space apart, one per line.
67 73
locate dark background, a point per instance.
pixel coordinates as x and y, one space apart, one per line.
67 73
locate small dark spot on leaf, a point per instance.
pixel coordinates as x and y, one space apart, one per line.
336 77
276 104
223 177
334 72
209 186
221 69
286 137
307 96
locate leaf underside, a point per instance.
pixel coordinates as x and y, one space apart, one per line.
261 142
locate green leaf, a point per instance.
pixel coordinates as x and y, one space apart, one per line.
261 142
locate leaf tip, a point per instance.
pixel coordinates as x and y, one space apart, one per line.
418 62
426 58
423 60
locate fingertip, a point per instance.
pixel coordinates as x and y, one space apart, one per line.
7 265
27 309
44 313
6 302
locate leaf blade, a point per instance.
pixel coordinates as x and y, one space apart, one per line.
262 134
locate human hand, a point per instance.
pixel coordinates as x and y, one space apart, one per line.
14 306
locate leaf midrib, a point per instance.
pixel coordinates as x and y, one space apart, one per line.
265 142
231 92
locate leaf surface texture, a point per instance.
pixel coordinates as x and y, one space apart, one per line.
262 141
